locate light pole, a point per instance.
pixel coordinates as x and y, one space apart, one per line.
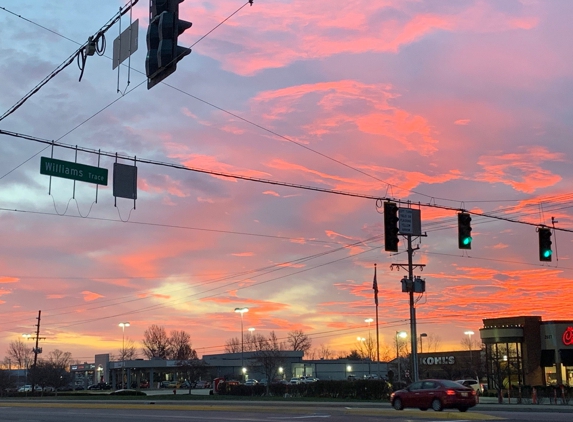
27 337
421 344
399 334
470 334
123 325
242 311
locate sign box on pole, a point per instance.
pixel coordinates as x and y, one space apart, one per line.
410 221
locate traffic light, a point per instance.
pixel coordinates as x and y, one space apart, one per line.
391 227
163 53
545 244
464 231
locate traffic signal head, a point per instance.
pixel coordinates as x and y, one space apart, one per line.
464 231
545 251
391 227
163 53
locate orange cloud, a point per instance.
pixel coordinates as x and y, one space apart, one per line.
90 296
4 280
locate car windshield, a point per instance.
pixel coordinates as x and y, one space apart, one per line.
451 384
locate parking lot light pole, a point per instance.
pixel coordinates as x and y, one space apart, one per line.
422 344
242 311
470 334
123 325
399 334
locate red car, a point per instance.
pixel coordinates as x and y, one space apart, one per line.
437 394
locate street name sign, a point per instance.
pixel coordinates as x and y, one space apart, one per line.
74 171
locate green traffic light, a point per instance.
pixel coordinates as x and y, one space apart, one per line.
467 240
547 253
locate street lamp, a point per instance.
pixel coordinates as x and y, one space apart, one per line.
368 321
27 337
123 325
470 334
421 344
399 334
242 311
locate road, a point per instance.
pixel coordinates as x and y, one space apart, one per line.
51 411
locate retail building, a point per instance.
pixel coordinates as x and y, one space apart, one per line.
525 350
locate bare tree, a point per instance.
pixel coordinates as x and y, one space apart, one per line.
367 348
271 358
180 346
233 345
128 352
299 341
60 359
325 352
155 342
253 342
19 353
469 343
433 342
385 353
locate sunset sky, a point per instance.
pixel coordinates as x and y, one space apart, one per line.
437 105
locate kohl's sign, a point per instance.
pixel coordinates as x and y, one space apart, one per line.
438 360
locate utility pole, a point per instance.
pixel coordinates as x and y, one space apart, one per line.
36 351
406 222
412 285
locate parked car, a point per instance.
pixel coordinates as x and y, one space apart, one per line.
144 384
475 384
264 381
25 389
251 381
99 386
308 380
49 389
435 394
187 384
203 384
295 381
173 384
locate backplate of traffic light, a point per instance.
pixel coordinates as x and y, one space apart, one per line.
545 251
464 230
391 227
163 53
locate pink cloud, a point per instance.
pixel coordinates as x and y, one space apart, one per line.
522 170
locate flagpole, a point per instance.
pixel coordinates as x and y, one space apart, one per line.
375 287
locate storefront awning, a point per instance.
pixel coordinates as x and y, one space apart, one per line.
547 358
566 357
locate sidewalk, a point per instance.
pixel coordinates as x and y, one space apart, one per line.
526 404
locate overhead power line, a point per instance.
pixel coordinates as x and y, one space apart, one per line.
86 49
260 180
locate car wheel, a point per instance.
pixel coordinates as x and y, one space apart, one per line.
463 409
437 405
398 404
